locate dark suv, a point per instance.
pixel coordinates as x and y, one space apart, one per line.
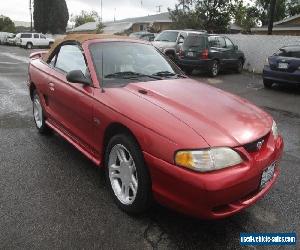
211 53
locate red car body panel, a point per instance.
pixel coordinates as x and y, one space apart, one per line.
166 116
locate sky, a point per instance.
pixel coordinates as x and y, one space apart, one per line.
18 10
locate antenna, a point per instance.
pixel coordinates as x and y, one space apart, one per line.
159 8
102 73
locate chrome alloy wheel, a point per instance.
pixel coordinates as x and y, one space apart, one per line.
215 69
37 111
122 174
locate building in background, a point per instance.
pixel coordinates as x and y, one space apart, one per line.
153 23
287 26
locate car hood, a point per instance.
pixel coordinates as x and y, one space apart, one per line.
163 45
220 118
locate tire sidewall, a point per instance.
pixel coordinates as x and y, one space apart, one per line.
44 128
215 62
143 196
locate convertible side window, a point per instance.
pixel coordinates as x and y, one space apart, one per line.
70 57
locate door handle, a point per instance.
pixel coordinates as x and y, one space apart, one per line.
51 86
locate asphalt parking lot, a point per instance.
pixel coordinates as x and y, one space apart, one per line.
52 197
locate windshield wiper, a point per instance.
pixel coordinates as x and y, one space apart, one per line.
168 74
130 75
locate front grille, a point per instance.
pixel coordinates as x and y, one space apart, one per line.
256 145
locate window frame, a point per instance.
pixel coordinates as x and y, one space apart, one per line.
56 52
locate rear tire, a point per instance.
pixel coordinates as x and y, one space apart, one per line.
268 84
127 174
38 114
29 46
214 69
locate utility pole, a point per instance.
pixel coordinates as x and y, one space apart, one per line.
158 8
101 12
271 16
30 11
115 15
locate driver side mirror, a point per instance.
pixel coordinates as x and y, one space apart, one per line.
180 41
236 47
76 76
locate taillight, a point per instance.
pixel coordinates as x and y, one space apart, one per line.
204 54
181 53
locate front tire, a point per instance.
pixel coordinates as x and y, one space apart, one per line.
29 46
38 114
268 84
240 66
127 174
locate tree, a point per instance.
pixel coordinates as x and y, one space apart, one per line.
263 6
50 16
271 16
245 16
212 15
58 17
41 15
85 17
100 27
293 7
7 25
183 19
215 14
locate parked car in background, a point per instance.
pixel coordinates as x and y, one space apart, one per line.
169 41
11 40
3 37
210 53
283 67
143 35
157 133
30 40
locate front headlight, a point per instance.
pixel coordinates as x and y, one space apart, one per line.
208 160
275 130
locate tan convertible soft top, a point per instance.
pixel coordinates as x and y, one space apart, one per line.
80 38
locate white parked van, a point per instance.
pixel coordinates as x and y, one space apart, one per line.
30 40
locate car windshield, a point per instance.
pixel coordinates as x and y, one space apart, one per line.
167 36
119 63
196 42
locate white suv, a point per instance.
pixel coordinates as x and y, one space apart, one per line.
30 40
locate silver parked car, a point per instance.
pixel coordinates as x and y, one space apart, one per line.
169 41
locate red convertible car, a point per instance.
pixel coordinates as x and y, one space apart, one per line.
158 134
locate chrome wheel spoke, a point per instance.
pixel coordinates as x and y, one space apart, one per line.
122 174
121 155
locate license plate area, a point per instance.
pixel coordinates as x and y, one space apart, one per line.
283 65
267 175
191 54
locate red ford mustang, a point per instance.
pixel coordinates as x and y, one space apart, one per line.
157 133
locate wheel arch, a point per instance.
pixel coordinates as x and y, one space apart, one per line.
114 129
32 88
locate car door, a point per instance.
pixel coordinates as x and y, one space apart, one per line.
70 105
43 41
36 40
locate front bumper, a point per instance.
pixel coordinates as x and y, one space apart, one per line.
281 76
218 194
